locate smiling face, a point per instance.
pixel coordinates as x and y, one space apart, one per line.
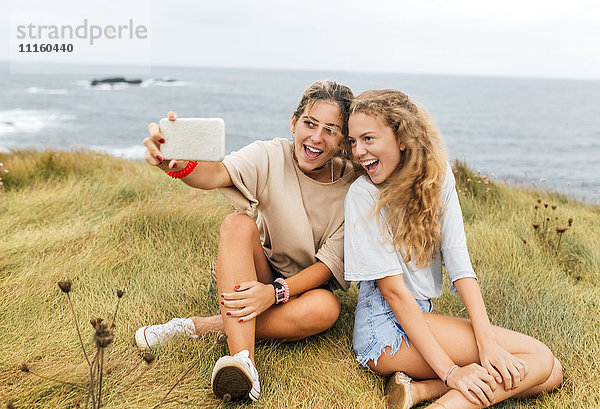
317 133
374 146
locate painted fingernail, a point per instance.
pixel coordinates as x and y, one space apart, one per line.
222 302
227 313
237 287
160 158
162 140
240 320
222 295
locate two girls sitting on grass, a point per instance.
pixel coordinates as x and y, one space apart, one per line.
403 220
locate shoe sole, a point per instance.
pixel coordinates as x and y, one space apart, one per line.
232 381
397 392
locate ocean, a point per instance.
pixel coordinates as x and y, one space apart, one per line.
543 132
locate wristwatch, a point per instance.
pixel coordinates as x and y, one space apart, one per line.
279 292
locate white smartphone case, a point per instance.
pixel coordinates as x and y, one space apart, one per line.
201 139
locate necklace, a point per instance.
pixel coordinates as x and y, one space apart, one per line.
331 163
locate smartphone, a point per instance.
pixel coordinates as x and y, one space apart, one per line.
201 139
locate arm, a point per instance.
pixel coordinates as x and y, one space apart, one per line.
252 298
471 380
206 175
499 363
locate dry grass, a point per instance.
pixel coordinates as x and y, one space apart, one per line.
108 224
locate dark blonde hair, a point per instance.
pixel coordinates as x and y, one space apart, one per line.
330 91
411 195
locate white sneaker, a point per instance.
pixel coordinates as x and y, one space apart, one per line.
152 335
235 376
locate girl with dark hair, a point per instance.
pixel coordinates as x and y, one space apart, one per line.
275 274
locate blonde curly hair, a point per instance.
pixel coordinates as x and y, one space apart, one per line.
411 195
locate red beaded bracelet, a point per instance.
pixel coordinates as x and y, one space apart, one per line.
285 287
185 171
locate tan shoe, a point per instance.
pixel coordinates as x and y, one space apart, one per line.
397 391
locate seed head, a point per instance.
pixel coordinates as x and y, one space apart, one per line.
24 368
104 335
65 286
536 207
149 358
561 229
536 225
547 219
221 338
553 207
103 342
539 201
545 205
570 221
120 293
524 241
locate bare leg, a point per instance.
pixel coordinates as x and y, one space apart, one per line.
205 325
457 338
427 389
297 319
240 259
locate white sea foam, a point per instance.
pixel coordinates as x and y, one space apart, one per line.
47 91
151 82
164 82
30 120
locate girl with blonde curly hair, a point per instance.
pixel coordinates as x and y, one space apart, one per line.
403 221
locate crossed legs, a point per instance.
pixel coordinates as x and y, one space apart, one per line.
457 338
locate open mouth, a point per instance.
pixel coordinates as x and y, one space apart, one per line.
371 165
311 153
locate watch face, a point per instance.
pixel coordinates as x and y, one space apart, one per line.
279 292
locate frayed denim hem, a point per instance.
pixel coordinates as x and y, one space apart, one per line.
375 352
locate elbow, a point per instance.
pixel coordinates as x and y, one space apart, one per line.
396 293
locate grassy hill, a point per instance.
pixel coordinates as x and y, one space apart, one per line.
110 224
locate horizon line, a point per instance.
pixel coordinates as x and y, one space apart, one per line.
364 71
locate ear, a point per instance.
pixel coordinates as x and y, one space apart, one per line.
402 146
293 124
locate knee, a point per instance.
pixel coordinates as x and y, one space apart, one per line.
546 361
237 225
320 314
556 376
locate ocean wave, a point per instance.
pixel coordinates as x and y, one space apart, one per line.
151 82
164 82
47 91
29 120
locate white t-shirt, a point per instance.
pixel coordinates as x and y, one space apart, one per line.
370 254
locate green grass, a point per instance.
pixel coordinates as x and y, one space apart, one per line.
111 224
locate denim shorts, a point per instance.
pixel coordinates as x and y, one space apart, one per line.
375 325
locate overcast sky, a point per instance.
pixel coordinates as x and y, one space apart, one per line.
533 38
